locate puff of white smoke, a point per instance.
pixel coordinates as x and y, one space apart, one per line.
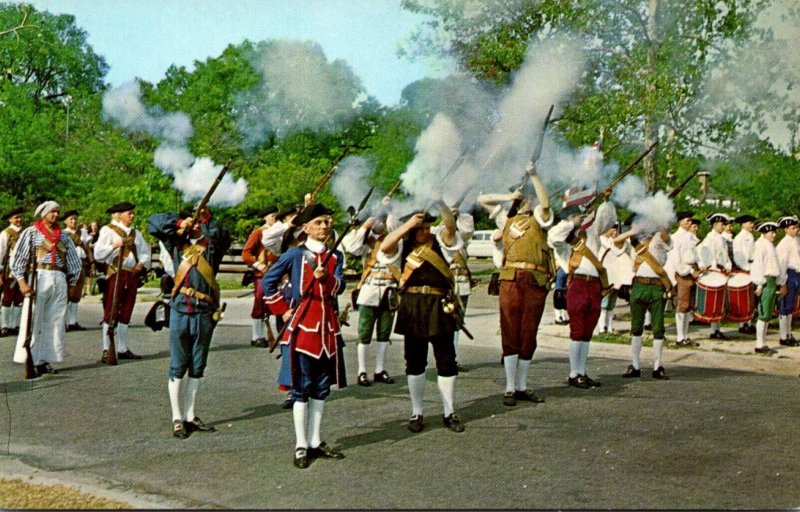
299 89
653 213
550 72
438 149
630 190
196 180
124 106
350 183
172 159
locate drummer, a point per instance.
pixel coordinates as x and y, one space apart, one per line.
743 245
789 259
767 275
713 252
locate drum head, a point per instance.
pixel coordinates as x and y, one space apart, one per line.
739 280
712 279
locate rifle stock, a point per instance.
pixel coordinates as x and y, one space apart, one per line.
111 355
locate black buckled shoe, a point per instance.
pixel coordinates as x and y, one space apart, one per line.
528 395
363 380
632 373
766 350
323 451
509 399
415 424
300 458
717 335
288 403
179 429
76 327
45 367
578 382
128 355
453 422
592 383
260 342
383 377
198 425
5 332
660 374
747 329
692 343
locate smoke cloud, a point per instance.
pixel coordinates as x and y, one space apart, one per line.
299 89
192 176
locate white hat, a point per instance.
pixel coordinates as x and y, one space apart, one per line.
45 208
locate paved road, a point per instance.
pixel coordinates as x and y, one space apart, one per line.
722 433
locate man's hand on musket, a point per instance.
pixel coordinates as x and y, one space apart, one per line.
138 268
517 195
308 199
320 273
25 289
530 169
386 200
261 267
607 194
288 315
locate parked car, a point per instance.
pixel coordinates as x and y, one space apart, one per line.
481 245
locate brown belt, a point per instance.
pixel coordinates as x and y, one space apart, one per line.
380 275
584 277
426 290
648 281
191 292
112 269
527 266
47 266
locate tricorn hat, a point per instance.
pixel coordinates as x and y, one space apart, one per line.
69 214
427 220
767 226
13 212
713 218
788 220
121 207
310 213
269 210
741 219
684 215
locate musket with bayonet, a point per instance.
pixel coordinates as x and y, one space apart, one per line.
537 152
353 221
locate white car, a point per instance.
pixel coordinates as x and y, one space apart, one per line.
481 245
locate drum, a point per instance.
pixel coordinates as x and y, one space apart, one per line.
709 297
740 298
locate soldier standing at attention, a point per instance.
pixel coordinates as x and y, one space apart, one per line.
12 297
76 292
258 258
117 237
57 266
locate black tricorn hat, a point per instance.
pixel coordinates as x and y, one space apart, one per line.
69 214
269 210
12 212
788 220
766 227
282 214
695 222
310 213
121 207
684 215
713 218
741 219
427 220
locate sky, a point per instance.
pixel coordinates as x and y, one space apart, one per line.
142 38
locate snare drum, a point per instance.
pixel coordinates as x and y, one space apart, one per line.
740 297
709 296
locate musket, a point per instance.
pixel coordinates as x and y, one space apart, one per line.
306 303
388 196
206 198
329 173
619 177
111 355
537 152
29 371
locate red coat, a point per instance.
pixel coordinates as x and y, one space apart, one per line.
315 324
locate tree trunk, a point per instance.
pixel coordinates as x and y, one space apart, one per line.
650 123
